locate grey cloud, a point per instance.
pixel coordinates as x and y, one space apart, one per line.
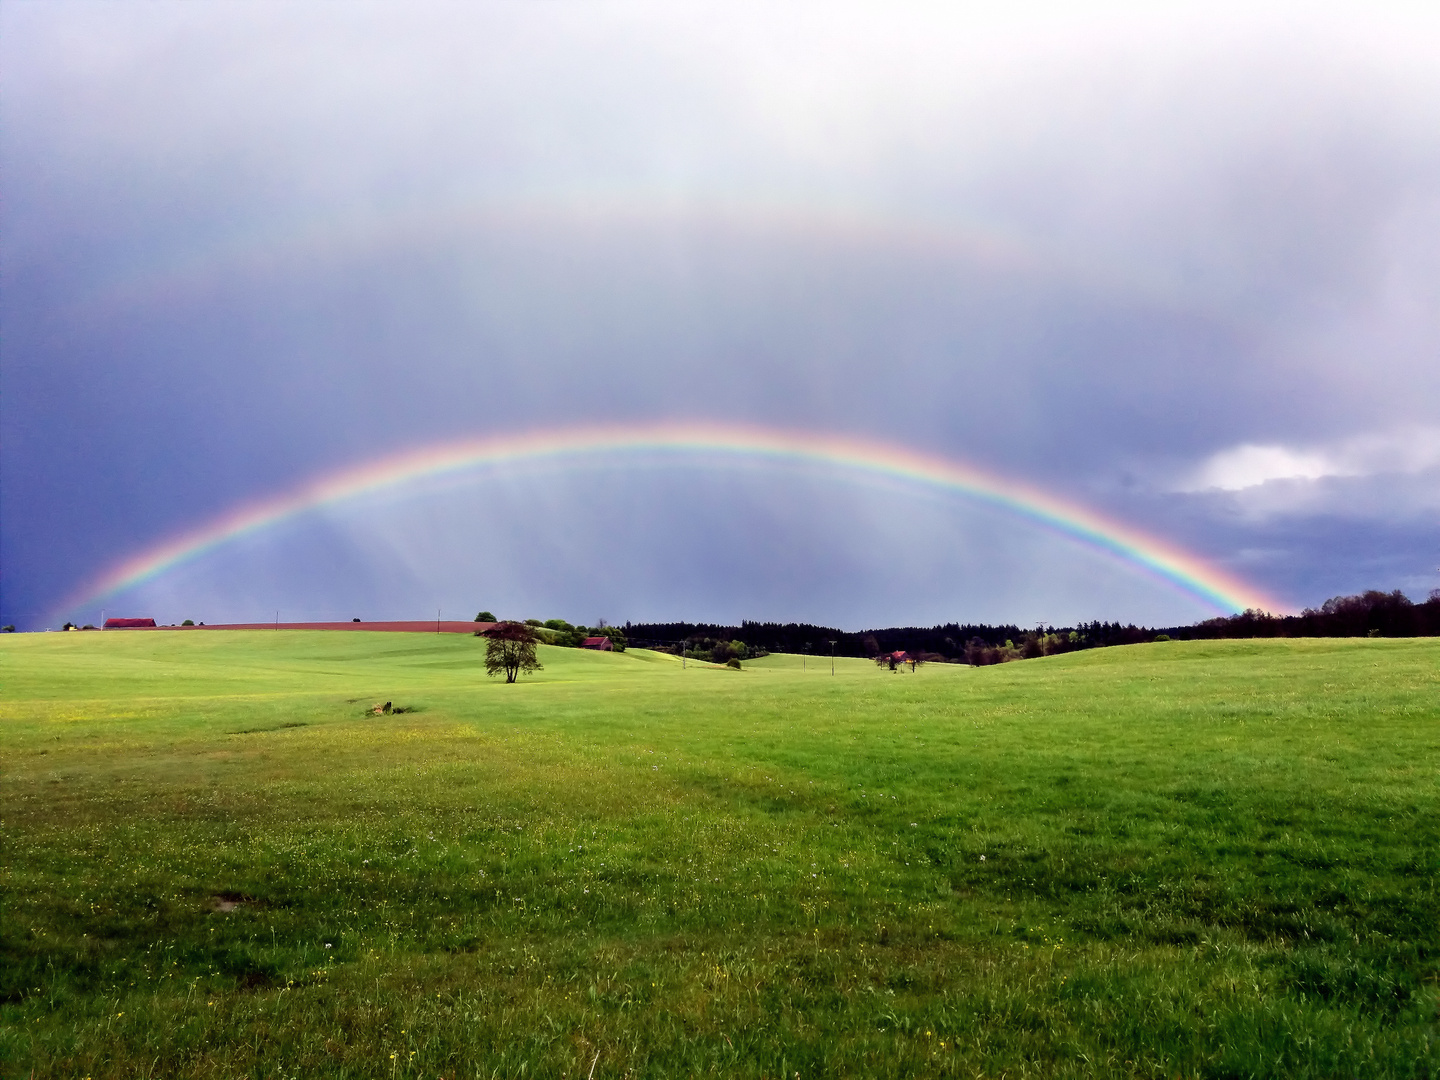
276 240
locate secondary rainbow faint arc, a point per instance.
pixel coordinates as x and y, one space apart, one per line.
1167 561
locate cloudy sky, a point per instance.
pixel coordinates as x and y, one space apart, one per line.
1180 265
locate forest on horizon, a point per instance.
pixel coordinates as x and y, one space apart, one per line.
1368 614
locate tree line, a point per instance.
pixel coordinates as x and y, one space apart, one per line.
1368 614
566 635
949 643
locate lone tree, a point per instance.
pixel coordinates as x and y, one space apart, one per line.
509 647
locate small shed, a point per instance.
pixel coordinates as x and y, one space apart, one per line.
601 644
129 624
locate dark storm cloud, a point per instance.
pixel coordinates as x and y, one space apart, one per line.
245 244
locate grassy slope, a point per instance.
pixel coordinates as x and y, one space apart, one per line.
1185 859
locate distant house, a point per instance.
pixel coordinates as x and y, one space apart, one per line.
129 624
603 644
898 657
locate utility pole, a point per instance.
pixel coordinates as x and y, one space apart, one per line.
437 620
277 620
832 658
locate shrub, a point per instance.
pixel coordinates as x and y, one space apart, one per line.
486 616
733 663
191 622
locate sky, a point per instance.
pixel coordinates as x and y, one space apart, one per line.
1178 265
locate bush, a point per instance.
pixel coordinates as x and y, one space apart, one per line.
1033 643
486 616
191 622
733 663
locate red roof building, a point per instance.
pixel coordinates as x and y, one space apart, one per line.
894 660
603 644
129 624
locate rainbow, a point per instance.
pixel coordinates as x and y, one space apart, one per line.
1164 561
997 247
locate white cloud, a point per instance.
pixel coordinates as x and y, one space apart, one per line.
1249 466
1406 451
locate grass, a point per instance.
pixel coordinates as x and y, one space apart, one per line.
1210 859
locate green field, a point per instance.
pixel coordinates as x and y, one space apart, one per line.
1213 859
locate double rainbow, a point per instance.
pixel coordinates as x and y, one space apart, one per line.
1155 557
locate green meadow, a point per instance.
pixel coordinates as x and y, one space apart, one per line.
1208 859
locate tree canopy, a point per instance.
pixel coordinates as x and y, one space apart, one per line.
509 648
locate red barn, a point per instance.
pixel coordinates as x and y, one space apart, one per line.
603 644
129 624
